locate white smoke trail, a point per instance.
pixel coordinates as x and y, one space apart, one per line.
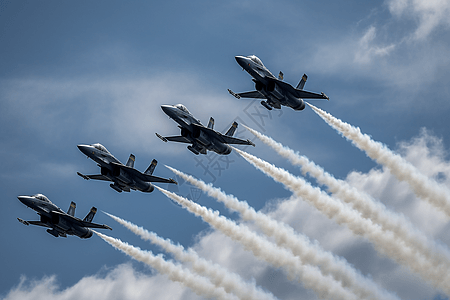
299 244
311 277
424 187
366 205
231 282
384 241
200 285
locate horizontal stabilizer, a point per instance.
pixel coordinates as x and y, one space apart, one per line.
130 162
302 82
142 176
232 129
90 215
71 210
151 168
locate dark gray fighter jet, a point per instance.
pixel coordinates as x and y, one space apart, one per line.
124 177
274 90
194 132
59 222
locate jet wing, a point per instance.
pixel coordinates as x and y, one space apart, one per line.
37 223
80 222
142 176
252 94
95 177
299 93
179 139
223 138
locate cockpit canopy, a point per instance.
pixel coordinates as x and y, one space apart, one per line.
256 60
100 147
182 107
41 197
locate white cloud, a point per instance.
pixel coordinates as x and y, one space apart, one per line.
366 50
429 14
425 151
120 283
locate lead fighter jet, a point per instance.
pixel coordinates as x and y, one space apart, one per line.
124 177
59 222
194 132
274 90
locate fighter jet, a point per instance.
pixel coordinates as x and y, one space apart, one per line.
194 132
124 177
274 90
59 222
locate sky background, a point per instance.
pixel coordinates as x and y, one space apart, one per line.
83 72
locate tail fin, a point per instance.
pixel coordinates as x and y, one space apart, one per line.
130 162
151 168
280 75
211 123
232 129
71 210
90 215
302 82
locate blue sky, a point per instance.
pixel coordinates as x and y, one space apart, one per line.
85 72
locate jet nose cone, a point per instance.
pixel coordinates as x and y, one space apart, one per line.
84 148
168 110
241 60
24 199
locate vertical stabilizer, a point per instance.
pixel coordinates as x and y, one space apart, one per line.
232 129
71 210
151 168
280 75
302 82
211 123
90 215
130 162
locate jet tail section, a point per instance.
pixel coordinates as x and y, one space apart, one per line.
232 129
130 162
151 168
302 82
90 215
71 210
211 123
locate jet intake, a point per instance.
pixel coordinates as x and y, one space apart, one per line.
270 86
184 132
55 218
259 85
104 171
200 136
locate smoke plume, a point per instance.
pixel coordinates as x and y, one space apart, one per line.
384 241
311 277
300 245
200 285
424 187
366 205
219 276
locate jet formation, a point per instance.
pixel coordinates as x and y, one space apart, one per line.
124 177
274 90
59 222
201 138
